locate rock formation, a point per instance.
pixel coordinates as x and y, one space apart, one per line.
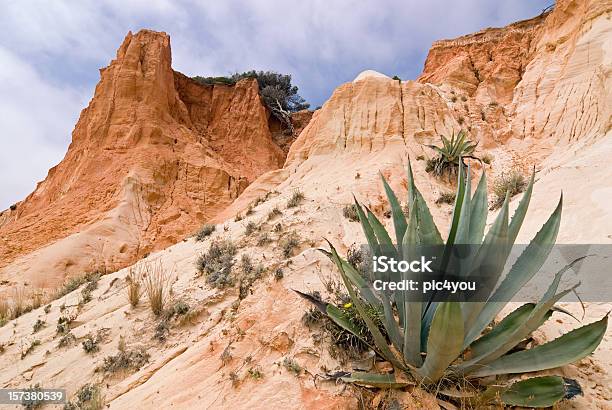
152 157
368 126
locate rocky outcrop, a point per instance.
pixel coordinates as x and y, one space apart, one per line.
153 156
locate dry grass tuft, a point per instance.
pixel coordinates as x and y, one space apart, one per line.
512 183
350 212
296 199
205 231
156 284
134 284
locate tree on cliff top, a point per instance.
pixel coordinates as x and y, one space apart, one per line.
278 94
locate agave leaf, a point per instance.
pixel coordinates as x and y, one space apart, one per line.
399 219
428 231
565 349
521 210
412 311
459 200
478 212
505 341
463 225
381 344
379 230
527 264
444 343
336 314
367 229
391 324
504 329
542 391
489 260
382 381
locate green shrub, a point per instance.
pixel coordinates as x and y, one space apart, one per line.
217 262
205 231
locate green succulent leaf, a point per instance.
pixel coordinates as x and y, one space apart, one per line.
444 344
399 219
565 349
538 392
383 381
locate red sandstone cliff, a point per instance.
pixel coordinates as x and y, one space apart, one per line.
153 156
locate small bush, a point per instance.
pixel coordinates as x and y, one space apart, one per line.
90 344
63 324
514 183
74 283
38 325
288 243
487 158
205 231
161 330
350 212
274 212
125 360
278 273
250 228
293 366
180 308
217 262
156 287
238 218
263 239
66 340
246 264
88 397
277 228
30 348
296 199
249 211
255 373
446 198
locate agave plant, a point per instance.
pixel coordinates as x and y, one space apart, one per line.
451 154
427 342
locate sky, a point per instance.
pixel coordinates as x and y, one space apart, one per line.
50 53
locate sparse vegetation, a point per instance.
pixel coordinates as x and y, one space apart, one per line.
217 263
134 285
274 212
446 198
34 402
30 348
512 183
63 323
288 243
278 273
205 231
263 239
38 325
293 366
132 359
255 373
450 154
90 344
250 228
296 199
277 227
156 285
350 212
487 158
74 283
5 311
88 397
66 340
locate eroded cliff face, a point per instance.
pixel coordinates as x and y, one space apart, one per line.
153 156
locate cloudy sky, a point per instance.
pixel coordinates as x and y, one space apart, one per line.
50 53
